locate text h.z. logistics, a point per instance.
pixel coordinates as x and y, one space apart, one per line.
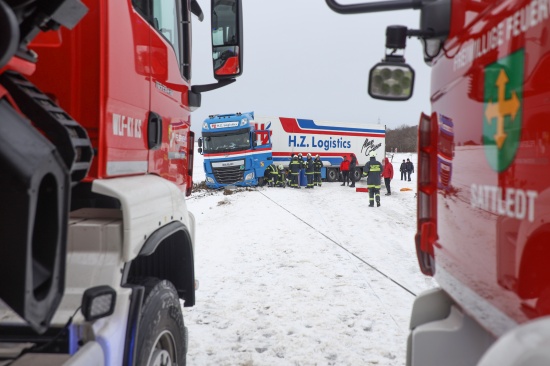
330 143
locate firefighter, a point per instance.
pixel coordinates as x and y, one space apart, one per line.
295 165
281 180
301 160
318 164
268 175
373 170
309 166
274 174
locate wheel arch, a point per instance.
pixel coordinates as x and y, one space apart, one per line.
167 255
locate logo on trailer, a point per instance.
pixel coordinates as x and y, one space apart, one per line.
263 137
502 110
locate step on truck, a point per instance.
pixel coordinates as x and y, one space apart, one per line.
96 152
237 148
483 224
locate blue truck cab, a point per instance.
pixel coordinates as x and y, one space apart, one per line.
235 153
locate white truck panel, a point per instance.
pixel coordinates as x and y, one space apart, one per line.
148 202
331 140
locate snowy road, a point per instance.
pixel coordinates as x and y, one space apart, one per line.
303 277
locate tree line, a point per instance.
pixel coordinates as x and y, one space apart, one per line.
404 138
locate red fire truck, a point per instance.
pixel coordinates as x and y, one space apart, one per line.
96 154
484 230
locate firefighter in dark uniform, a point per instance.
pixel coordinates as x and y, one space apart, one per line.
281 179
269 176
317 165
373 170
309 166
302 166
295 165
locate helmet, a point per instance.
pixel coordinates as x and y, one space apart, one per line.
294 156
299 154
308 155
372 154
280 166
317 155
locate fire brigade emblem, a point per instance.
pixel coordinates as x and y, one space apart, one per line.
502 110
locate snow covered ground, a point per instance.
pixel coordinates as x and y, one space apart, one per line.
303 277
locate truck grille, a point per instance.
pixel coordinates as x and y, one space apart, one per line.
228 174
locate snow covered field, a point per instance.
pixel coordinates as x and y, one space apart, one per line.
303 277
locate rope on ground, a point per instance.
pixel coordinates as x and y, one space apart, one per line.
341 246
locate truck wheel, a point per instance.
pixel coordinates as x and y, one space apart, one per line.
162 336
357 173
332 175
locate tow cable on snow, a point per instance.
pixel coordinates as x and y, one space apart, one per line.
344 248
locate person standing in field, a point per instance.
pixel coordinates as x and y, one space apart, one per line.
410 168
373 170
344 169
294 166
318 164
387 174
309 166
403 170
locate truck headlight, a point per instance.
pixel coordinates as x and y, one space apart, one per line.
249 176
209 180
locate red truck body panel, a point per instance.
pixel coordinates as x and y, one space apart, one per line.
116 71
493 212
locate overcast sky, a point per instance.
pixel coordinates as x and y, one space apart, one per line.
303 60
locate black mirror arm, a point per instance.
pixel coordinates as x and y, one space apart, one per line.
196 90
196 9
208 87
373 7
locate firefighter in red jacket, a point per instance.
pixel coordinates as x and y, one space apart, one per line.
387 174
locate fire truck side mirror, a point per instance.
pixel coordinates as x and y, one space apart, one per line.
391 80
227 38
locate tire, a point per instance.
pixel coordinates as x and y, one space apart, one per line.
357 174
332 175
162 335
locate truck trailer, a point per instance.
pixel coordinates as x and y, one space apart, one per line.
230 160
483 228
330 140
97 246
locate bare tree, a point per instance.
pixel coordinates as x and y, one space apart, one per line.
404 138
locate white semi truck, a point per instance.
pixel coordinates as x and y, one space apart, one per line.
330 140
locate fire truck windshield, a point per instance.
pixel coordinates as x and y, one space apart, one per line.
225 142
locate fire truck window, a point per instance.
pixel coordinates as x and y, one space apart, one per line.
166 22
